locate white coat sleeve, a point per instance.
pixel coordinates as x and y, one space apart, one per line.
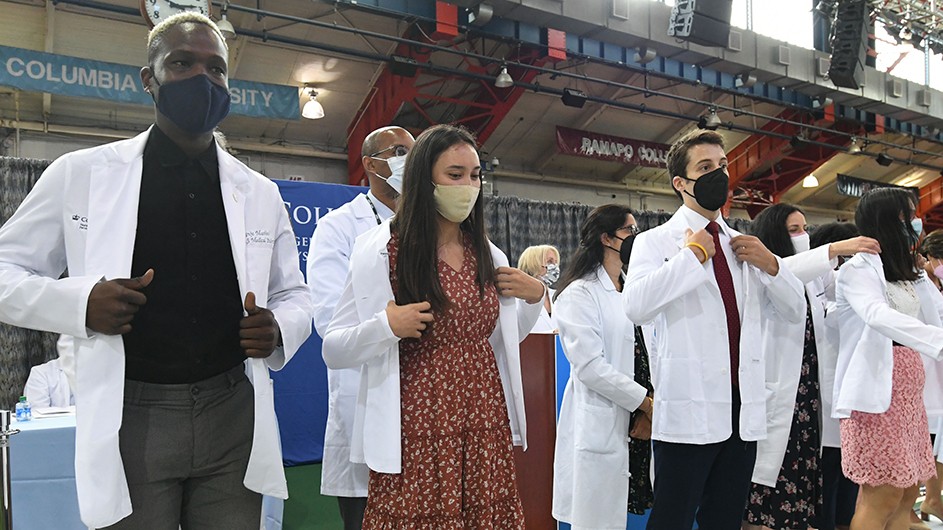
38 390
653 283
527 315
288 297
33 256
582 336
783 294
328 260
863 290
349 343
809 265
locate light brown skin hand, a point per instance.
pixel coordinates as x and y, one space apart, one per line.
751 250
514 282
259 334
641 428
701 237
408 321
113 303
850 247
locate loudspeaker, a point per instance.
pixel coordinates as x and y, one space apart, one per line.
849 44
704 22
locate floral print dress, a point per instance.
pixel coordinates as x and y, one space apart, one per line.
793 503
458 464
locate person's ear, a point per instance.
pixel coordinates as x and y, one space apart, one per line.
147 77
677 183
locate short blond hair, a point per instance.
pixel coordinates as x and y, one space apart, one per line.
533 258
156 36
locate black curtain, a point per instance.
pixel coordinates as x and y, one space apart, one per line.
20 349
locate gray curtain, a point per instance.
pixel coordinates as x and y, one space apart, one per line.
20 349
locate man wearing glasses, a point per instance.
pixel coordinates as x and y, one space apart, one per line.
384 157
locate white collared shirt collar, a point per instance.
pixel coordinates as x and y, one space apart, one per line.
382 210
697 221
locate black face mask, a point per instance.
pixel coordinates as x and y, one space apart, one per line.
196 105
710 190
626 251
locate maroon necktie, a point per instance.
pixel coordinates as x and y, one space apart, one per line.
729 295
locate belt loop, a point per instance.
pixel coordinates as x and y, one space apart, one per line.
234 374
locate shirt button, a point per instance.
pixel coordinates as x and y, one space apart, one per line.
192 235
194 390
193 320
193 277
192 195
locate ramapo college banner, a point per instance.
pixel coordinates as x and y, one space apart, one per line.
71 76
613 148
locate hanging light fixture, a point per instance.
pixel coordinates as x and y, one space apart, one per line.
312 109
854 148
224 25
504 79
810 182
710 122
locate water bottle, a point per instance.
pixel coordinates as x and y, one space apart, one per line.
23 411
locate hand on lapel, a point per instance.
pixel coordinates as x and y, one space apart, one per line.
258 331
113 303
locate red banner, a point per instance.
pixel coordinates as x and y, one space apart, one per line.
613 148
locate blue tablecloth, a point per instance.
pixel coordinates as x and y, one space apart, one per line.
42 472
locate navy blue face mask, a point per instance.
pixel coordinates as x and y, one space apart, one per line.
196 105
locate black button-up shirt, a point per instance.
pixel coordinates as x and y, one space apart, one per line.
189 328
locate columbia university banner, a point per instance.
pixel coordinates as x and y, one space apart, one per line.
301 387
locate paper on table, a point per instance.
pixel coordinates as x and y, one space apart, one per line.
46 412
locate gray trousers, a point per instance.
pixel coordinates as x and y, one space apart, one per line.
185 450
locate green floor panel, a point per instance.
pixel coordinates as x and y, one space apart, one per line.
305 508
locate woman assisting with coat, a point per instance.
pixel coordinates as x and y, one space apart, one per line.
591 461
436 328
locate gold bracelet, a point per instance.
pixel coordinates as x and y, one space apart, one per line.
699 247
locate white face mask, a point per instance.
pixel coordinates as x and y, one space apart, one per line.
397 165
800 242
455 202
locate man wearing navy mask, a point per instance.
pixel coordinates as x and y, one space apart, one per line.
383 156
705 290
184 290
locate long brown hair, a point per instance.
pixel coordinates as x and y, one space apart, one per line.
416 223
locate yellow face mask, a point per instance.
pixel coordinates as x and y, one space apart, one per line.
455 202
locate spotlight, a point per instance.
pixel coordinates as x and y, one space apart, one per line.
574 98
884 160
710 122
313 109
644 55
810 182
854 148
504 79
403 66
480 15
906 33
744 80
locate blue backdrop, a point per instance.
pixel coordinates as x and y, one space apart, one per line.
301 387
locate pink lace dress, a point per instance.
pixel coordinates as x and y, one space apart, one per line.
893 448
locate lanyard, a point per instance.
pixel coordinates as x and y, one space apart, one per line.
374 208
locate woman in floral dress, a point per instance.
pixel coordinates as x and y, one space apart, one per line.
436 328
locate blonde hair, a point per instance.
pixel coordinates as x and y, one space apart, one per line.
158 32
535 257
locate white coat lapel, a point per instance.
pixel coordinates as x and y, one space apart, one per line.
231 179
114 195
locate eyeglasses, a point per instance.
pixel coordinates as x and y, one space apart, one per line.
631 228
398 150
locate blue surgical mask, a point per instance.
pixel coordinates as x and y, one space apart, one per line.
196 104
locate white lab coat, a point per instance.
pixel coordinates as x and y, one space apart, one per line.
690 359
48 386
591 459
784 343
867 329
82 214
328 261
360 335
546 323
